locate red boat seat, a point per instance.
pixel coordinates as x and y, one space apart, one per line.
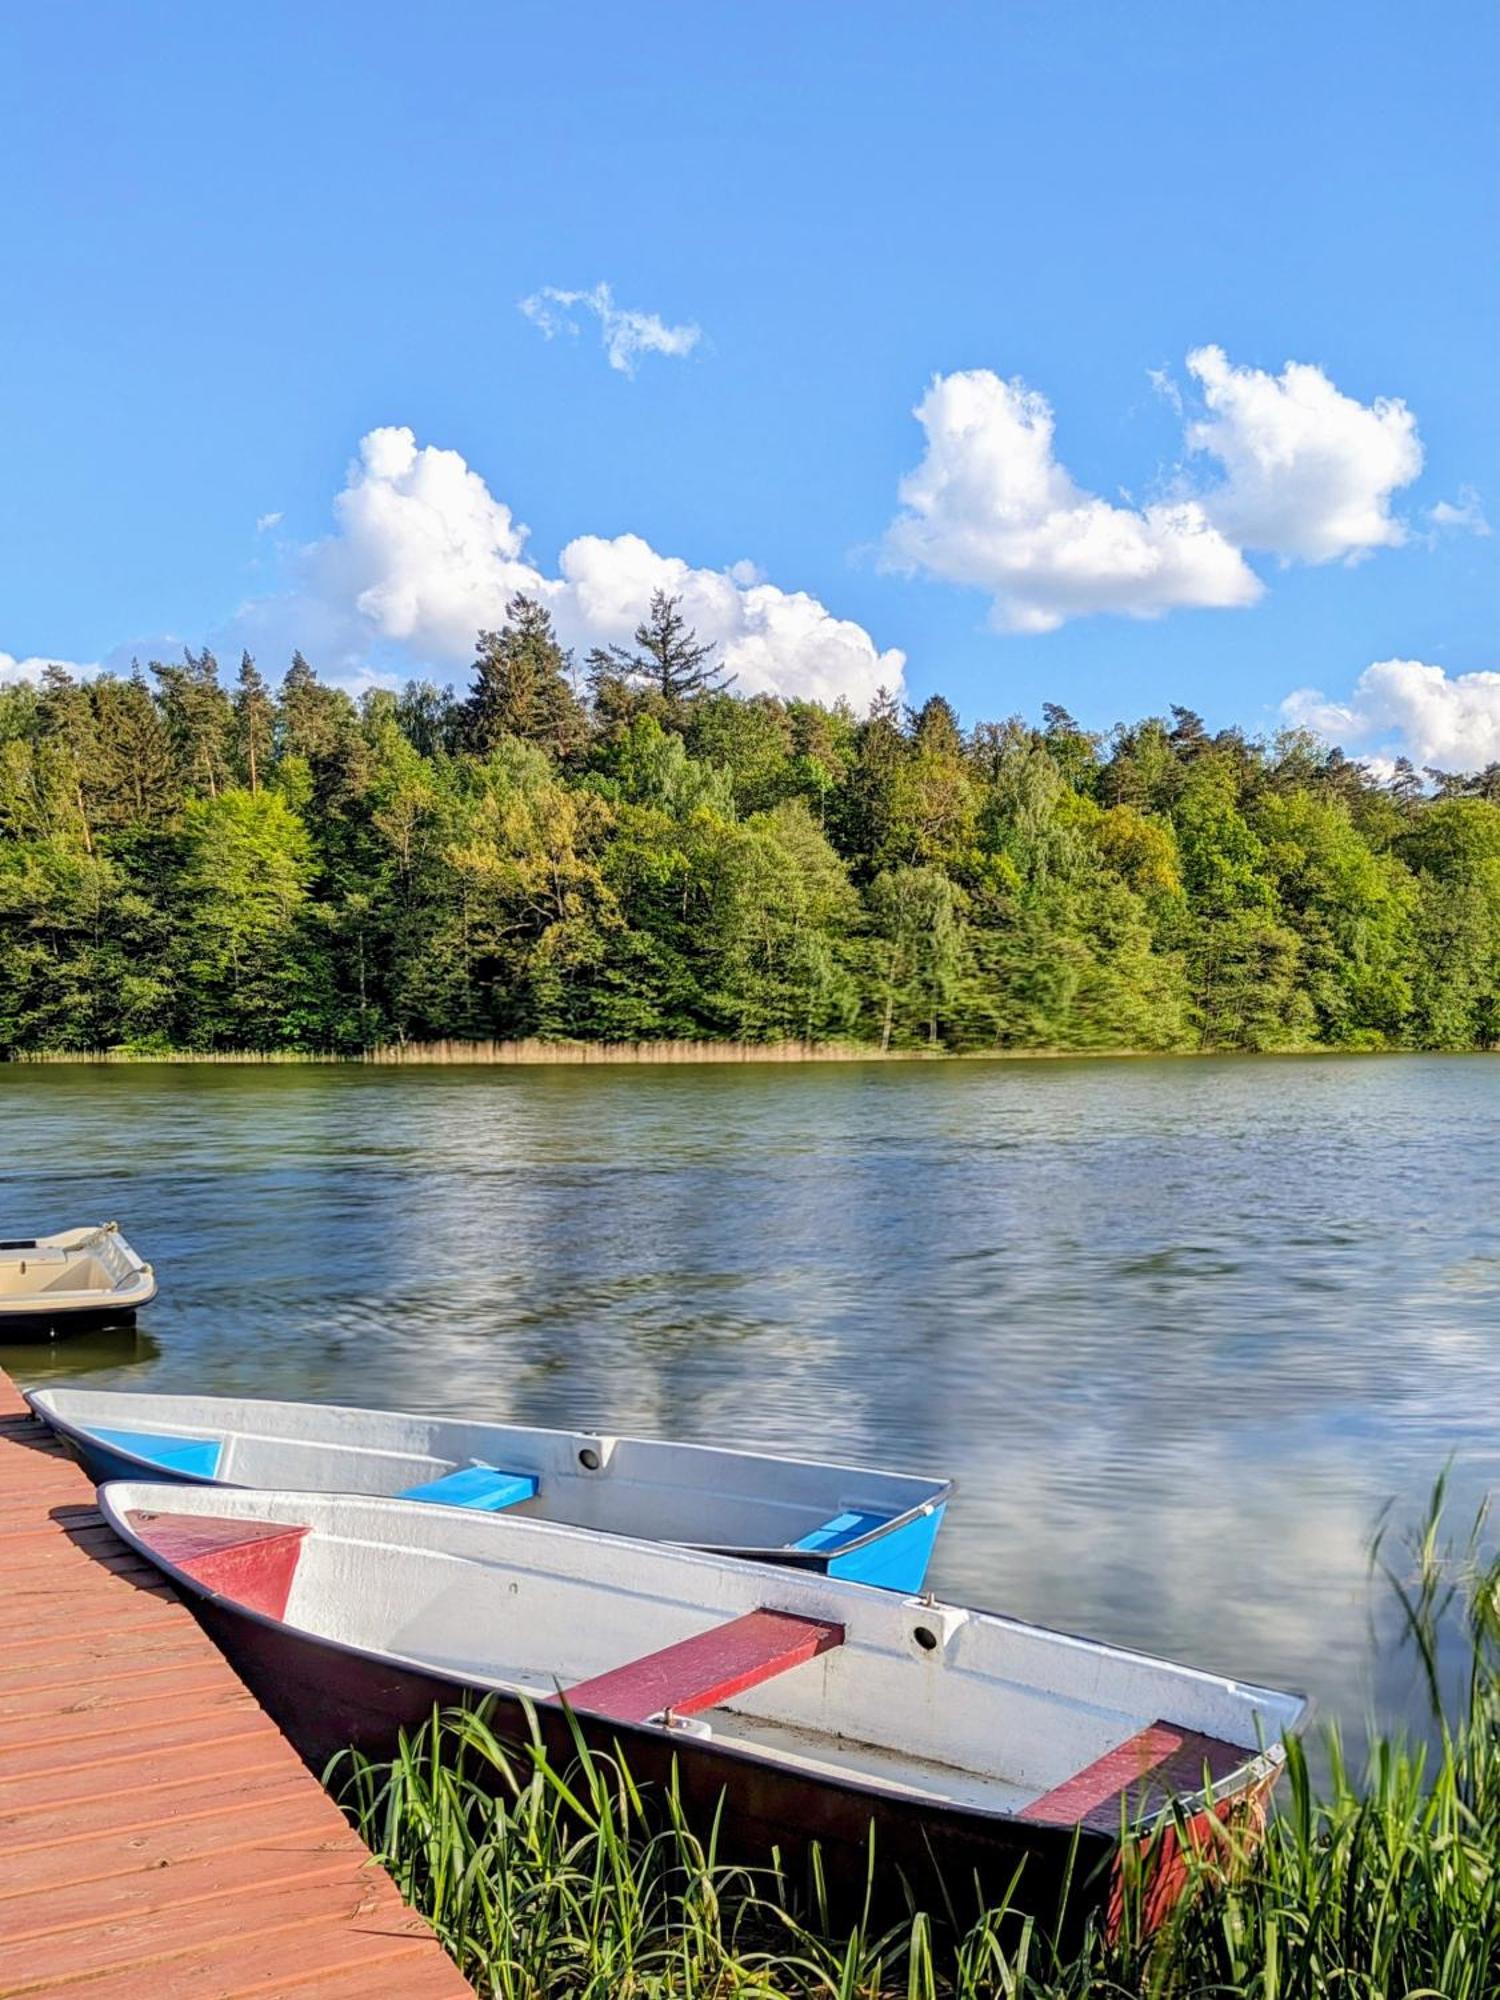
707 1669
1137 1778
251 1562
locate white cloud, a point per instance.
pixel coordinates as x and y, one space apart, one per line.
32 668
1466 516
991 505
266 522
773 641
1166 387
1307 474
424 556
1308 471
626 335
1412 708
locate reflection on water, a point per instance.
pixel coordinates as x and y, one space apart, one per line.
115 1347
1179 1328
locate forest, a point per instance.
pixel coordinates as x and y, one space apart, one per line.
626 849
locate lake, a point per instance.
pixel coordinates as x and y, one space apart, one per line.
1181 1329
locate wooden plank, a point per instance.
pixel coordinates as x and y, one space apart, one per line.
244 1855
311 1960
161 1837
57 1870
155 1937
244 1772
34 1561
85 1527
106 1691
73 1732
399 1978
125 1758
707 1669
1136 1779
63 1657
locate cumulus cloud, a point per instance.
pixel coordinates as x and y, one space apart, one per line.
1409 707
1304 473
1309 473
991 505
626 335
424 556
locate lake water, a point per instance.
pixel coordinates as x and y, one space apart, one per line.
1180 1329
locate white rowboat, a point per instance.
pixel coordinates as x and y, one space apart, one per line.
80 1277
870 1526
807 1707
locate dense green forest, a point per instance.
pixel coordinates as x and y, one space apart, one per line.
632 850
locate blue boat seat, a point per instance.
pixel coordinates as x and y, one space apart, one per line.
198 1457
843 1528
481 1486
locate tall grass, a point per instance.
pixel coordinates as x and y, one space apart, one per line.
1374 1883
528 1051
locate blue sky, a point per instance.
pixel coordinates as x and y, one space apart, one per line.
239 240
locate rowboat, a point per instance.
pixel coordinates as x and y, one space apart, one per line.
80 1277
867 1526
802 1707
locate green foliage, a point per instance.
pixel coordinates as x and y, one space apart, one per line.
187 865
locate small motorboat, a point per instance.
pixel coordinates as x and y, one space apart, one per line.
50 1285
868 1526
801 1707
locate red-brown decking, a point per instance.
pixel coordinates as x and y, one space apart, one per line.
159 1837
700 1672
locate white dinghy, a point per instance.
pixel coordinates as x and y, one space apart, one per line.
51 1285
870 1526
807 1707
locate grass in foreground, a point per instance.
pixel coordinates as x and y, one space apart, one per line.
1380 1883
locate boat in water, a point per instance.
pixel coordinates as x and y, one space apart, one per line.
52 1285
854 1522
990 1757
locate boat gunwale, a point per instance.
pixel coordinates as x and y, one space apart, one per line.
1260 1766
784 1555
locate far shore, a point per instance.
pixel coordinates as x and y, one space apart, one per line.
535 1053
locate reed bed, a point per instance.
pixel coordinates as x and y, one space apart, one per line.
1385 1882
528 1051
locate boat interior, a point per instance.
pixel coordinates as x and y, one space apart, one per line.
623 1486
84 1262
914 1697
33 1270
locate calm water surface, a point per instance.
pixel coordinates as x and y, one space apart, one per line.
1181 1329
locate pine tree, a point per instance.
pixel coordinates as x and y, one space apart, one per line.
314 718
669 663
197 713
66 714
135 768
254 722
934 726
521 686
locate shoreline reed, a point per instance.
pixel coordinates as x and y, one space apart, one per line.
531 1051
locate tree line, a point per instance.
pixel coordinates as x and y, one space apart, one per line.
632 850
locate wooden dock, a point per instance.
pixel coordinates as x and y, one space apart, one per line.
159 1837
